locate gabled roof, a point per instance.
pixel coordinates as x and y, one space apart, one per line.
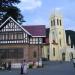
37 30
15 22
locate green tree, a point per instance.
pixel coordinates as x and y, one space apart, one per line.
8 8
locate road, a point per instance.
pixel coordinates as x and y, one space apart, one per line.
50 68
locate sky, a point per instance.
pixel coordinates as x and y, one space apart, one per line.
37 12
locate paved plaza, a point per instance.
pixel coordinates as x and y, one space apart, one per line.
50 68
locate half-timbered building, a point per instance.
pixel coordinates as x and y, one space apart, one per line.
19 42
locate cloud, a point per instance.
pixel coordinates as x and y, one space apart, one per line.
30 4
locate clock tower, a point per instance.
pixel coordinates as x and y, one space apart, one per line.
57 37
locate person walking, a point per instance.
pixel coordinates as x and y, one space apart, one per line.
25 67
22 67
9 66
5 65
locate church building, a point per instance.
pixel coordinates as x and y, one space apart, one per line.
59 49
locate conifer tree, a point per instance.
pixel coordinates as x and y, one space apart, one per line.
8 8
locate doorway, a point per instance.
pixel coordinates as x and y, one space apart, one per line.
63 56
71 56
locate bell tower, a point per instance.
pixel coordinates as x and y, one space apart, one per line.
57 36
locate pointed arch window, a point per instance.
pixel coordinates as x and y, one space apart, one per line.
57 22
53 51
71 55
60 22
60 42
53 35
54 22
51 22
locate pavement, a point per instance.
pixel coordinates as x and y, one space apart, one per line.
50 68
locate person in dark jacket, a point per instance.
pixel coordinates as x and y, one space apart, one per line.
5 65
22 67
9 66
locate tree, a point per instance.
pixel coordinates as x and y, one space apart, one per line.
8 8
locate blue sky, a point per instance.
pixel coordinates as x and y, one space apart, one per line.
37 12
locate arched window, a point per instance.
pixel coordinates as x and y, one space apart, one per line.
71 55
53 35
63 56
60 42
51 22
53 51
60 22
57 22
54 22
48 53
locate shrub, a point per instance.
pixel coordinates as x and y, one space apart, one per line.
30 65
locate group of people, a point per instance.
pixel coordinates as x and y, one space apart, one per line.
7 66
24 67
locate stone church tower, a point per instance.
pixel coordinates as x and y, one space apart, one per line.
57 37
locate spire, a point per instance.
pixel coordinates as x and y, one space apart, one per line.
56 12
